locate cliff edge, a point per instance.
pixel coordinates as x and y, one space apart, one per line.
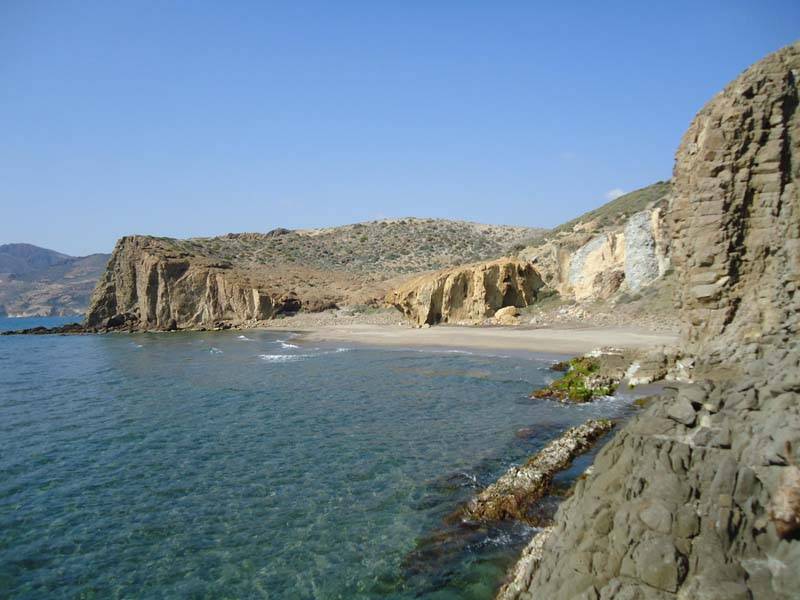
699 496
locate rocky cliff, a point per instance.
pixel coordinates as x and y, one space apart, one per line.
621 247
699 496
148 285
596 256
470 293
242 279
735 214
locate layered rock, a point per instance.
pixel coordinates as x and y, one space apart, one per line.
678 503
471 293
148 285
698 496
736 213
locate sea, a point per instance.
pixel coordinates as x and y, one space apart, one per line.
257 464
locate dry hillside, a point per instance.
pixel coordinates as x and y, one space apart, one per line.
380 249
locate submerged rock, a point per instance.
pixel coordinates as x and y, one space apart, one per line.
61 329
585 378
511 496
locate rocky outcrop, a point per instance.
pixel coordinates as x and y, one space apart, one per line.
642 264
697 496
586 378
586 267
596 263
520 576
677 504
471 293
519 488
149 285
736 213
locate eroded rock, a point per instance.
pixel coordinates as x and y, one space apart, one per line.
512 495
471 293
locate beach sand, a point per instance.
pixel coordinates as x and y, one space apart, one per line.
547 340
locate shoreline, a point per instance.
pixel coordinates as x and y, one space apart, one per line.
542 340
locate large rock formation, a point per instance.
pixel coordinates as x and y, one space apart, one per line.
244 278
520 487
470 293
150 286
594 261
697 497
736 219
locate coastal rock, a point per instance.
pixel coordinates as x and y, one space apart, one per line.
586 377
623 246
511 495
735 212
471 293
147 285
702 484
591 263
520 576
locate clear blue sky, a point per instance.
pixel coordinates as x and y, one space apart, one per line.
201 118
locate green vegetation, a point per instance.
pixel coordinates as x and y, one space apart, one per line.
581 383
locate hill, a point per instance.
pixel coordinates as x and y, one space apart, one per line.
380 249
36 281
245 278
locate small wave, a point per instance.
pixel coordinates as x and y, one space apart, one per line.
501 539
294 357
244 338
279 358
215 351
287 345
135 345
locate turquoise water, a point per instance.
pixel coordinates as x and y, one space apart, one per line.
230 465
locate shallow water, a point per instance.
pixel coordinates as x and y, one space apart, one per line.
211 465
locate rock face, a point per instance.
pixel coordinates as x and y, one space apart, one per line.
594 263
696 498
620 247
736 213
471 293
626 257
677 505
642 264
148 286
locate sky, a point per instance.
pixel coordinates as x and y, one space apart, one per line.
202 118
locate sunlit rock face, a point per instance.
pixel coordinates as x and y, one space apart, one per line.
470 293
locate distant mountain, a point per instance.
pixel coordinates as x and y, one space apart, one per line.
36 281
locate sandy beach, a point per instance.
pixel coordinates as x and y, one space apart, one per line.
549 340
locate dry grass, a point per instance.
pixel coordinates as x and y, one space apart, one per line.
379 249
